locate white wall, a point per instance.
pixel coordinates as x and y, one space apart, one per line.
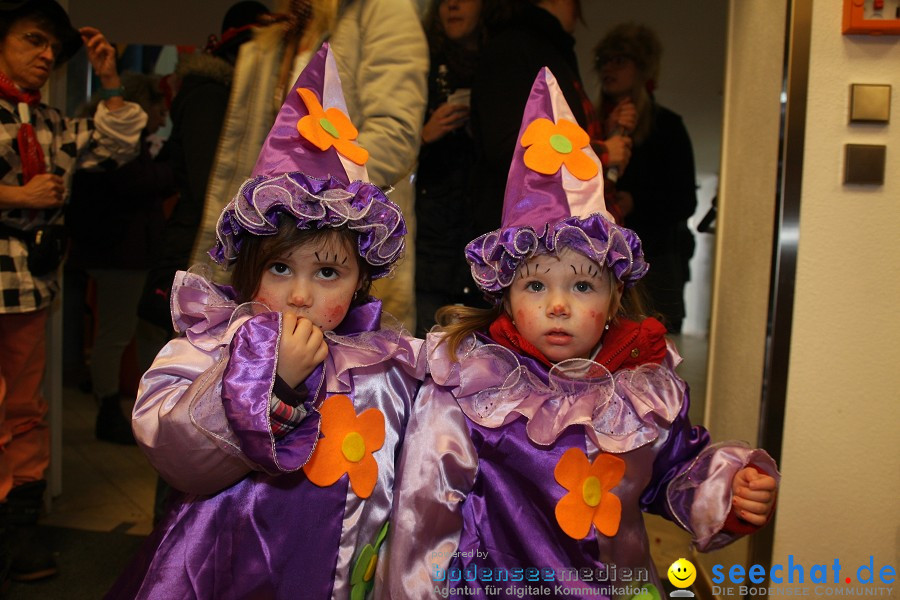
841 449
744 227
160 22
841 494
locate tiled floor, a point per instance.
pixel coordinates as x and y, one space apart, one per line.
110 488
693 350
106 487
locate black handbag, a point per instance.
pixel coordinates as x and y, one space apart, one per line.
46 245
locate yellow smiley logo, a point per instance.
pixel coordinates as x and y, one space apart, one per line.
682 573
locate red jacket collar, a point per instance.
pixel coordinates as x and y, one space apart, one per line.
626 344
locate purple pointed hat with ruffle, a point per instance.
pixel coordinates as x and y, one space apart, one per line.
311 168
554 200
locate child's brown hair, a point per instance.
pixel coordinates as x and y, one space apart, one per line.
258 252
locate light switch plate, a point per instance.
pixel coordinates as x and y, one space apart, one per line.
870 103
864 164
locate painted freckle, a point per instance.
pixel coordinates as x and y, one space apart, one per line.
337 312
520 316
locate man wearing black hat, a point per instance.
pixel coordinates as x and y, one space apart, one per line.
39 152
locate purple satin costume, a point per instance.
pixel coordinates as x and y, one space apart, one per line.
476 492
250 524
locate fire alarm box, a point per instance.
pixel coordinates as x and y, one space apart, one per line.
872 17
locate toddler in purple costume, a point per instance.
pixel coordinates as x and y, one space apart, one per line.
280 409
548 424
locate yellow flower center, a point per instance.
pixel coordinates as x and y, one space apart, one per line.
329 127
560 143
353 447
591 491
370 569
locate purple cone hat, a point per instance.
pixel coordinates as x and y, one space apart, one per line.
311 169
554 200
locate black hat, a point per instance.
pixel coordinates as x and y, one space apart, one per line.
53 13
237 25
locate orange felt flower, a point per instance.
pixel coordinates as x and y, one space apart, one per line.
327 128
551 145
589 499
346 446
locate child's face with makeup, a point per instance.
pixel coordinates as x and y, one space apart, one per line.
561 304
316 281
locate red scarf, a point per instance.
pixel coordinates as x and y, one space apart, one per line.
592 124
505 333
626 344
30 152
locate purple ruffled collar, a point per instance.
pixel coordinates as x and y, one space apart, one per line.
495 256
621 411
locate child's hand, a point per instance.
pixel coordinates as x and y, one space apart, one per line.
754 495
301 349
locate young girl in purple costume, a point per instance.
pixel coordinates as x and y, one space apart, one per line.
548 424
280 409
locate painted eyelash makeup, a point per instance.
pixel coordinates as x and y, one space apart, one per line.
528 273
592 271
329 260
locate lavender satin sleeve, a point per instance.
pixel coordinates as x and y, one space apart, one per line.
437 470
181 386
203 411
679 445
700 497
248 380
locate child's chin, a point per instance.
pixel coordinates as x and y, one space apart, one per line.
556 354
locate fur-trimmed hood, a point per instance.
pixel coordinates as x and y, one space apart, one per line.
205 65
